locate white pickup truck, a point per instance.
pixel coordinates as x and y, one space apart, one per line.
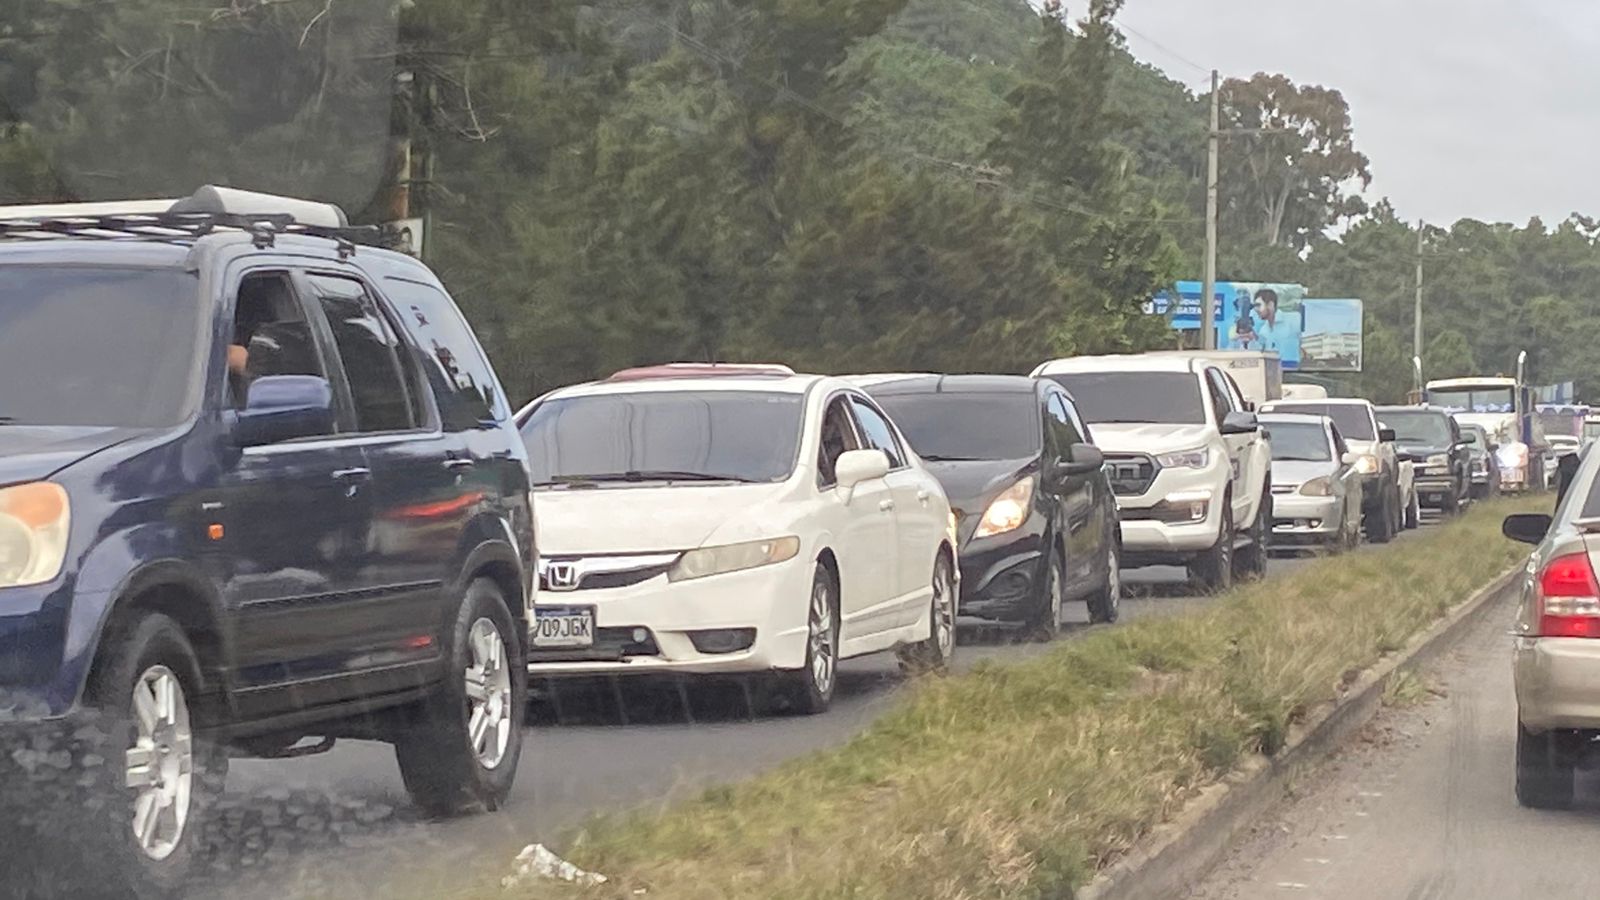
1189 464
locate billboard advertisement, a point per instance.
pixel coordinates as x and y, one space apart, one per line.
1250 315
1330 339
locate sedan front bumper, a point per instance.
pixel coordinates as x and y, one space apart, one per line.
1297 518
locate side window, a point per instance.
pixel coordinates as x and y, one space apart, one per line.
370 352
838 436
468 391
1060 424
1081 426
270 334
1219 396
877 432
1235 396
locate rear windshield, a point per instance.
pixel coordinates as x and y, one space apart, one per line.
967 426
1171 398
96 346
1299 442
664 436
1354 422
1426 428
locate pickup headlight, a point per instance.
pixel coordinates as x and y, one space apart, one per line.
1438 459
1367 464
707 561
1321 486
1185 459
1008 511
33 533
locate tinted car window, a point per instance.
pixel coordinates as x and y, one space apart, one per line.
370 354
1103 397
1352 418
461 378
740 435
1432 429
96 346
876 431
1297 442
967 425
838 436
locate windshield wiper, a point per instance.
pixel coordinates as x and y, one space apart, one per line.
638 475
936 457
1301 459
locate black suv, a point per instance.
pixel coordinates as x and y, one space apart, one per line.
259 490
1432 440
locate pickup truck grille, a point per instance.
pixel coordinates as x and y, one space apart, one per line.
1131 473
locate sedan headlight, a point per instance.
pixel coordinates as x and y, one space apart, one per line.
1438 459
1367 464
707 561
1185 459
1321 486
33 533
1008 511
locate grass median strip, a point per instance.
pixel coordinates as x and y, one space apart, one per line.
1021 780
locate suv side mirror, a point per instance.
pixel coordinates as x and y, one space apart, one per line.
856 466
1239 423
1529 528
1081 460
1386 434
282 408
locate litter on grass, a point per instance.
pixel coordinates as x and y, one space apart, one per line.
537 861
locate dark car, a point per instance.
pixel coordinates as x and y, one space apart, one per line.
1482 471
1431 439
1036 521
259 491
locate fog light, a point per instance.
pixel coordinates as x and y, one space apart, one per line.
1314 523
640 635
723 640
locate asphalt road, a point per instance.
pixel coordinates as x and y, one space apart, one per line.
1421 806
316 826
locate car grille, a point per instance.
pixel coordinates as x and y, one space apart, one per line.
1131 474
610 645
566 574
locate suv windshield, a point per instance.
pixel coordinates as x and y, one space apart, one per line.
1110 397
1428 428
1352 418
664 436
967 426
1299 442
96 346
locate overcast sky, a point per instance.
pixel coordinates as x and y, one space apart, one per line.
1488 109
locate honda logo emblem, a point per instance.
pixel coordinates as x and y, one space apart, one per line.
562 576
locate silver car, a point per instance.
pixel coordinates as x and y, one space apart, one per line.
1557 641
1316 487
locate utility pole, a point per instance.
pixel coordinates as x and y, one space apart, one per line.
1416 311
1208 319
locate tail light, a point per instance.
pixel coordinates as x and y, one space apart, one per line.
1569 598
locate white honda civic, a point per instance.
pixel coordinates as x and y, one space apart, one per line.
726 519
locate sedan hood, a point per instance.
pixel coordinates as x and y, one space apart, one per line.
1299 471
971 484
33 452
642 518
1143 437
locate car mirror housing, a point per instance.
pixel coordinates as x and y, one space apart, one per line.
1386 434
1081 460
282 408
1239 423
856 466
1529 528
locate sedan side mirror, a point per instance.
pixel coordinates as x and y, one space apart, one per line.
283 408
1529 528
1386 434
1081 460
856 466
1239 423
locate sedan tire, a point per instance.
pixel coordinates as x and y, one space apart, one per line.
809 690
1546 765
932 655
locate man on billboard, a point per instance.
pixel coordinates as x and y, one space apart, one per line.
1262 324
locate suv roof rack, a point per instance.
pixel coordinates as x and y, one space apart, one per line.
187 219
699 370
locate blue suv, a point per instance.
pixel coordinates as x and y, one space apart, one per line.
259 490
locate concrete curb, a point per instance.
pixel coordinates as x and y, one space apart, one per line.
1177 854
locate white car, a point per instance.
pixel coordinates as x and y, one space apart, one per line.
1188 461
733 520
1387 491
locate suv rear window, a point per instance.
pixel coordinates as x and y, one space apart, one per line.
83 345
1170 398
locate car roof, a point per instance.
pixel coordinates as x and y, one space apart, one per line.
1124 362
1438 411
775 383
1318 401
948 384
1294 418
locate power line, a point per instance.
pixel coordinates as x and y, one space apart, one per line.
1168 51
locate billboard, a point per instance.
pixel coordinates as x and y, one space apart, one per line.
1330 340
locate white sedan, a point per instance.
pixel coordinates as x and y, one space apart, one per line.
728 519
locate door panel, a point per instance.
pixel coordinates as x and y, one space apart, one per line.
917 528
1085 569
867 546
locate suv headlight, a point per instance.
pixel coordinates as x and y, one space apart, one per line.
33 533
1185 459
1367 464
1321 486
1008 511
1438 459
707 561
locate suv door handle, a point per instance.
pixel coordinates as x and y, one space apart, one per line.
459 462
357 473
885 505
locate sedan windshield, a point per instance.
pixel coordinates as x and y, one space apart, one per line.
1297 442
1108 397
664 436
967 426
1354 422
1425 428
96 346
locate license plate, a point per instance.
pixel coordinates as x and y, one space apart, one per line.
563 626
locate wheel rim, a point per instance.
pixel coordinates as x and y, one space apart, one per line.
1113 580
489 705
822 652
160 764
944 611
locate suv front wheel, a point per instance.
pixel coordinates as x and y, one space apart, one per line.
460 747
